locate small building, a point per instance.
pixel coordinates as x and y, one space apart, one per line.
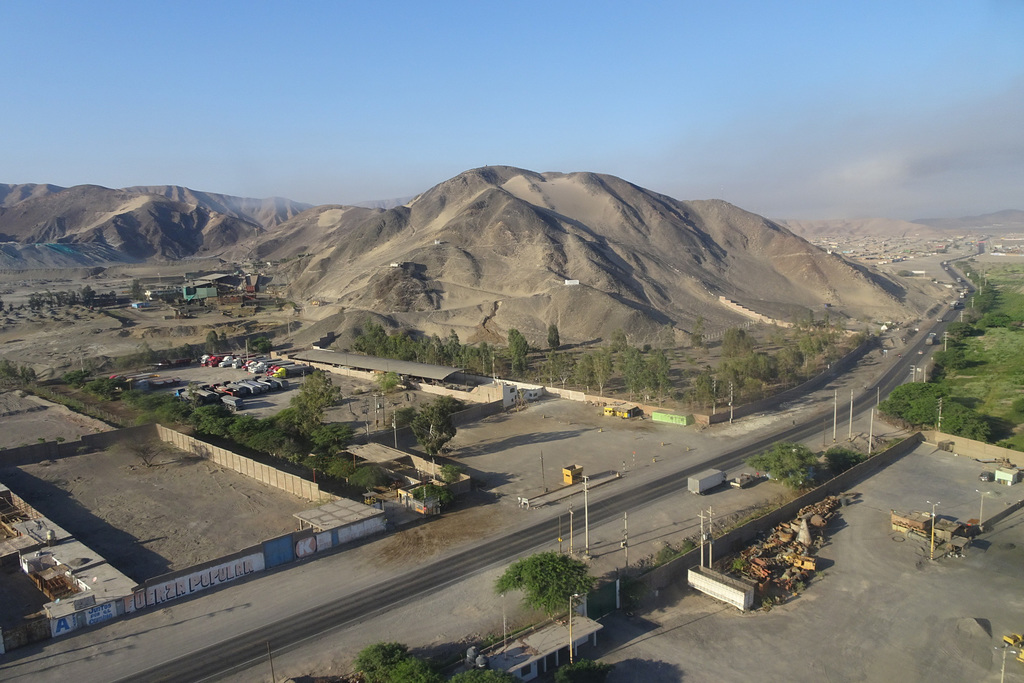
544 649
906 522
623 410
1007 475
573 474
197 291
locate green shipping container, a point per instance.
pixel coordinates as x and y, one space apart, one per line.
674 419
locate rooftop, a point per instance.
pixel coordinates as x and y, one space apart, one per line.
361 362
337 514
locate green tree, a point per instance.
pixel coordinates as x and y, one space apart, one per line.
433 426
369 477
583 671
548 580
554 340
413 670
619 340
261 345
583 372
331 438
377 662
790 463
634 370
840 459
658 374
404 416
483 676
88 295
387 382
75 378
697 334
603 368
736 343
317 394
441 494
518 348
212 344
214 420
450 473
137 292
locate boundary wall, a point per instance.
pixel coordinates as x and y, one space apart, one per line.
265 474
52 450
752 314
979 450
677 570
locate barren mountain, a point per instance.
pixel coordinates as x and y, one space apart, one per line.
492 248
1010 220
861 227
46 225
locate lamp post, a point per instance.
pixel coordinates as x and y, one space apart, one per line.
981 512
571 643
586 518
1002 674
931 555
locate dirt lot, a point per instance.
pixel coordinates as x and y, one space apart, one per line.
880 610
27 419
150 520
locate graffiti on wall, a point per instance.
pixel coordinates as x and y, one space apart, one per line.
192 583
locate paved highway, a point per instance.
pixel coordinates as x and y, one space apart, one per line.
244 649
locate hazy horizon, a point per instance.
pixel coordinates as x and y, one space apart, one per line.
791 111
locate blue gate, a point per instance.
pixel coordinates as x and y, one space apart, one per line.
278 551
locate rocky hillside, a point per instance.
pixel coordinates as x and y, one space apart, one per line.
492 248
50 226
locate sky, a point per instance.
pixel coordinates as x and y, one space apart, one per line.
790 109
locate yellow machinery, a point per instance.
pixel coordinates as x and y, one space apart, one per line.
1013 639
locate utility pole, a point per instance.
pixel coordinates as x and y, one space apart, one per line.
714 395
570 528
931 555
871 432
586 517
938 426
945 339
850 436
701 515
835 414
711 539
394 426
542 480
626 538
730 402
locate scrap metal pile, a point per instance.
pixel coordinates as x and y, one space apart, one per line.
785 556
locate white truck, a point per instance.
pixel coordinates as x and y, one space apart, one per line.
705 481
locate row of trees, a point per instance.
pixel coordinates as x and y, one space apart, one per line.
798 467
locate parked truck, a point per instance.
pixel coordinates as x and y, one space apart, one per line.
931 339
705 481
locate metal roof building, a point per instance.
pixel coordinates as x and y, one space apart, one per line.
438 373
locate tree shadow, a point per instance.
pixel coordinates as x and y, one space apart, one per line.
653 671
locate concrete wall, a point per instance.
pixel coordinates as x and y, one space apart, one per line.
975 449
754 315
51 450
676 570
263 473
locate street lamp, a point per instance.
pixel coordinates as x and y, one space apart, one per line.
576 595
1002 674
913 373
934 505
981 512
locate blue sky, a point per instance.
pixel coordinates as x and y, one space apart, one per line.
789 109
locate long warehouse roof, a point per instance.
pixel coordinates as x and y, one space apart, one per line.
361 362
